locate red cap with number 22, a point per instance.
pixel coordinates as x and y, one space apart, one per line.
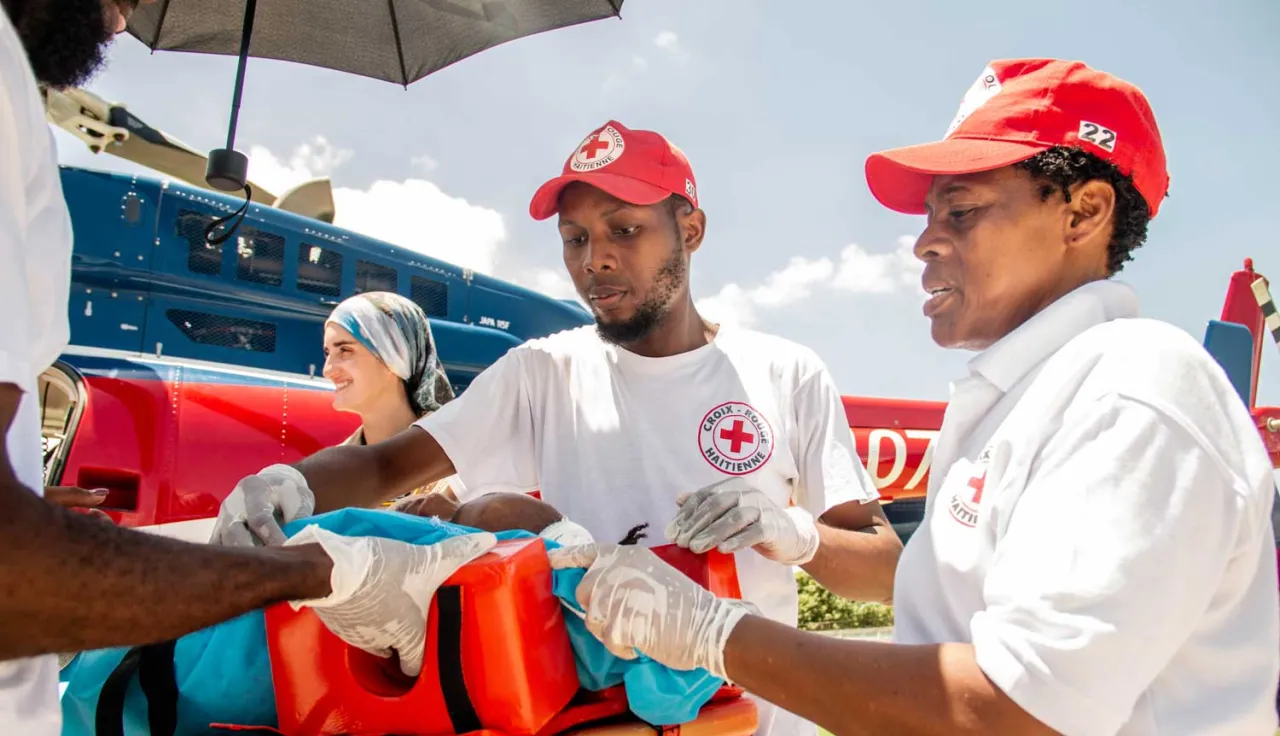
1018 108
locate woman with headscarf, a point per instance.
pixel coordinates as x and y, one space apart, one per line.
382 360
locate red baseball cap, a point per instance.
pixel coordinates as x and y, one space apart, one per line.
637 166
1018 108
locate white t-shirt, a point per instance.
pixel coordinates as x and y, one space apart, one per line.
1098 527
35 249
610 438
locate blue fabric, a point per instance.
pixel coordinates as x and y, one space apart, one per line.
224 672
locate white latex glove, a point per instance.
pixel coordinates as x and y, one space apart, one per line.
636 602
259 505
567 533
733 514
382 588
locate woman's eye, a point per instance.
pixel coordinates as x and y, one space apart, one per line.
960 214
627 230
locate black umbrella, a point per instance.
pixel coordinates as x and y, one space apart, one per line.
399 41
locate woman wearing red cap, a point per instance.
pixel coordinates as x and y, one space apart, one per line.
1096 555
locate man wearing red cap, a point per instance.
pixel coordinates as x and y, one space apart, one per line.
1096 555
714 436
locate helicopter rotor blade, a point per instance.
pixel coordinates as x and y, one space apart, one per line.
111 128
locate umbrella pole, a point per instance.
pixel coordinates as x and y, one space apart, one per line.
228 169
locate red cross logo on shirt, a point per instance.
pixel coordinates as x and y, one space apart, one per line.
977 484
736 436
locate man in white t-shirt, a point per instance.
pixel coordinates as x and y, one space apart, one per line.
1097 555
616 423
69 582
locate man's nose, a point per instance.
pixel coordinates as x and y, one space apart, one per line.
598 256
931 244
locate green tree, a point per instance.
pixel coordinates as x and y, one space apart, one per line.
822 610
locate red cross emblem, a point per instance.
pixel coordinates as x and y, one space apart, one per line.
593 146
736 436
977 484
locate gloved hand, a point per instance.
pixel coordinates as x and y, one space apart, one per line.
636 602
382 588
259 505
733 514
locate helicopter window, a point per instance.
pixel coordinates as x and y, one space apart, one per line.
372 277
226 332
319 270
431 295
260 257
201 256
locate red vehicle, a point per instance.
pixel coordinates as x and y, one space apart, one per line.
170 437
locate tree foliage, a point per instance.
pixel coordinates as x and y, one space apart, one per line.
822 610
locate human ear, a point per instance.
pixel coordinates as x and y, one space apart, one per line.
1090 213
693 227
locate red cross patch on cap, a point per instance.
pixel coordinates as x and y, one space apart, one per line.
637 166
1018 108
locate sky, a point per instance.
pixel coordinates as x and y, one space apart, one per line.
777 106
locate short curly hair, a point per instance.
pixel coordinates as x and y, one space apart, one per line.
1062 167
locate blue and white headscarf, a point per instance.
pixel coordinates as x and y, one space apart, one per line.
397 332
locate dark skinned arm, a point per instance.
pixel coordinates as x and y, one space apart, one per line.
849 686
69 582
367 475
858 549
857 554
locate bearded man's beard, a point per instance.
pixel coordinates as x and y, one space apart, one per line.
652 310
65 40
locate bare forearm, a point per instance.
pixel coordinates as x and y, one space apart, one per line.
68 582
857 564
854 687
358 475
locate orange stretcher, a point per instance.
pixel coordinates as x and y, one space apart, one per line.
498 663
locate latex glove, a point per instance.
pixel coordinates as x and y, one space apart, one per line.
382 588
636 602
259 505
733 514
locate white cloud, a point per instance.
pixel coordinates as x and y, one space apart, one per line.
414 213
879 273
553 283
794 282
424 163
639 62
858 271
666 39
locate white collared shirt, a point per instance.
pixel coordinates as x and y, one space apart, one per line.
1098 527
35 278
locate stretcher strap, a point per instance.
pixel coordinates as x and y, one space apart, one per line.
153 663
462 712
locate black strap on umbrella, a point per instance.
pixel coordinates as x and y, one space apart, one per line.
238 216
153 664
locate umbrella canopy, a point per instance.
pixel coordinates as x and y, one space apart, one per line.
399 41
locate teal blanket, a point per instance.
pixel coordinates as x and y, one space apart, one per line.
224 672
